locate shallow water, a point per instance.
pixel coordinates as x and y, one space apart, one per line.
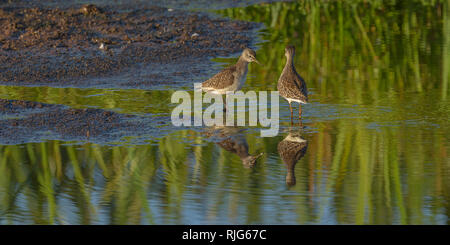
374 145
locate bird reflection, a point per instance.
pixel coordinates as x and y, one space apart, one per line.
291 149
232 139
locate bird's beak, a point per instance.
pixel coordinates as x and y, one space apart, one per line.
257 62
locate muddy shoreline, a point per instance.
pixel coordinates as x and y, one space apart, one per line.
92 46
99 46
137 4
27 121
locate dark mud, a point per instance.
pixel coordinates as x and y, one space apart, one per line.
18 106
40 121
92 46
175 4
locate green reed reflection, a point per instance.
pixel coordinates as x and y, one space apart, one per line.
46 174
369 177
446 49
347 47
132 101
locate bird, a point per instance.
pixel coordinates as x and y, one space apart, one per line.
231 78
291 85
232 139
291 149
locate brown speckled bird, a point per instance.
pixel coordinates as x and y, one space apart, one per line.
291 149
231 78
291 85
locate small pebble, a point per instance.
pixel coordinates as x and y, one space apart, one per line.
170 10
195 35
102 46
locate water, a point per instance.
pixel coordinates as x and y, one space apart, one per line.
376 136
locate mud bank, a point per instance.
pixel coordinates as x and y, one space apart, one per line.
25 121
92 46
175 4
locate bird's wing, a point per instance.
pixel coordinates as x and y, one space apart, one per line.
301 85
221 80
293 86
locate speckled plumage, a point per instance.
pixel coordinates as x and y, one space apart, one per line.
221 80
231 78
291 85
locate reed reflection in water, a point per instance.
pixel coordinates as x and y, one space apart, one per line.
348 176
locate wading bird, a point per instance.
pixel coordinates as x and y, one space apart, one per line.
291 85
231 78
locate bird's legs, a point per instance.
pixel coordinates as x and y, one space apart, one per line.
300 111
300 114
292 113
225 106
